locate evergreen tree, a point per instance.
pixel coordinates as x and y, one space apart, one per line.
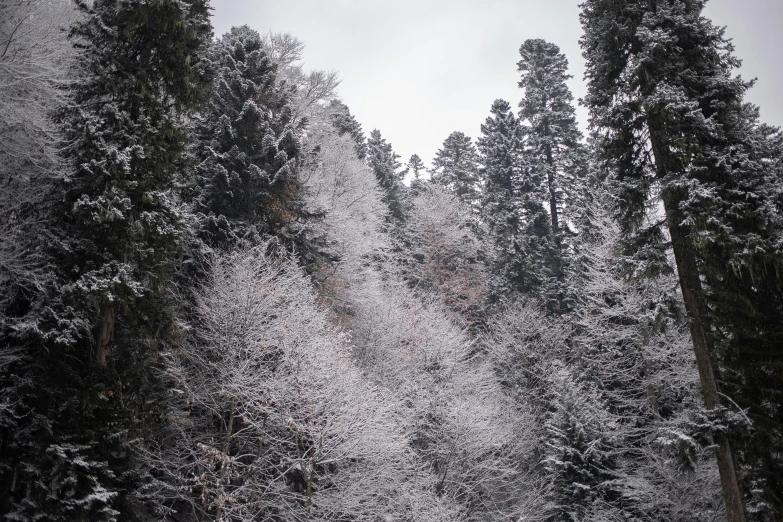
553 152
88 381
456 167
515 217
345 123
416 166
673 122
580 457
246 146
386 167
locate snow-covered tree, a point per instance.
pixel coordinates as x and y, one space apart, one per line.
455 166
630 343
554 155
416 166
309 88
345 123
246 146
579 453
625 357
516 219
384 163
273 417
467 435
35 62
449 250
117 230
342 188
674 128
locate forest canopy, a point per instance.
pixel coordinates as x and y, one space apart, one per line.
222 298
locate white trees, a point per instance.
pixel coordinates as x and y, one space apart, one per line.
274 418
34 64
447 243
463 429
617 393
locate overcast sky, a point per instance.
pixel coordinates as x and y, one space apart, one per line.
421 69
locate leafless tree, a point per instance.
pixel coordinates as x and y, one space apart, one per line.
35 61
310 88
274 419
449 240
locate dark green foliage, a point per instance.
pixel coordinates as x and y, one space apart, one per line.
246 147
579 455
416 167
345 123
84 380
555 158
456 167
673 124
386 167
511 207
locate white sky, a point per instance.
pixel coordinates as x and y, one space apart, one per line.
421 69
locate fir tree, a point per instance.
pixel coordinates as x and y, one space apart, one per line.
90 382
553 152
386 167
518 225
345 123
673 122
246 146
416 167
456 168
580 457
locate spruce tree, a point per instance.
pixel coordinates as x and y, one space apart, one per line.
246 146
345 123
553 152
416 166
515 217
456 168
386 167
89 378
673 122
579 455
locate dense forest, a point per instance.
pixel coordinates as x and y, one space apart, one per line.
221 300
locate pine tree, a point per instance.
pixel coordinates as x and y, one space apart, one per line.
673 123
245 145
90 382
553 152
386 167
515 217
456 168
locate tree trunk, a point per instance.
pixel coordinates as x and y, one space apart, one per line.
226 447
105 334
703 346
553 212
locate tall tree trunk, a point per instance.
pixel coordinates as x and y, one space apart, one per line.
550 172
105 333
703 346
